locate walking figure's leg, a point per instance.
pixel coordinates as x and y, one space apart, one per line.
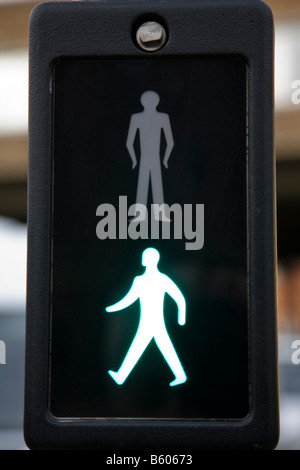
167 349
138 346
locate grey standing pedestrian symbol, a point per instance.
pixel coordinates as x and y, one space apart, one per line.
150 123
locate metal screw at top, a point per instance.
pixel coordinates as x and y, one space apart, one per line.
151 36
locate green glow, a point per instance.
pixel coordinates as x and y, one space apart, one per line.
151 288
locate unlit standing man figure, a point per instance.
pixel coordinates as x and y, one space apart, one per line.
150 124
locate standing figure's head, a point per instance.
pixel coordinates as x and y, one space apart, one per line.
150 99
150 258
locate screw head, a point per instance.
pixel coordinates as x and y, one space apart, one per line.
151 36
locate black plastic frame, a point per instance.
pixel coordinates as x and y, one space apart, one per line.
195 27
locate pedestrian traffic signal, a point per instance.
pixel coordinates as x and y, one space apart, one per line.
150 289
151 299
150 123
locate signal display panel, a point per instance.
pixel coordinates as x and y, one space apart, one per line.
149 313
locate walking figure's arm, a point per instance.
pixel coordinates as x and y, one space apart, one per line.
169 139
129 298
133 127
177 295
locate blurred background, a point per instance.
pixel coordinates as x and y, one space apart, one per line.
13 170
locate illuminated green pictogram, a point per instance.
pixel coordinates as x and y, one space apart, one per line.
151 288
